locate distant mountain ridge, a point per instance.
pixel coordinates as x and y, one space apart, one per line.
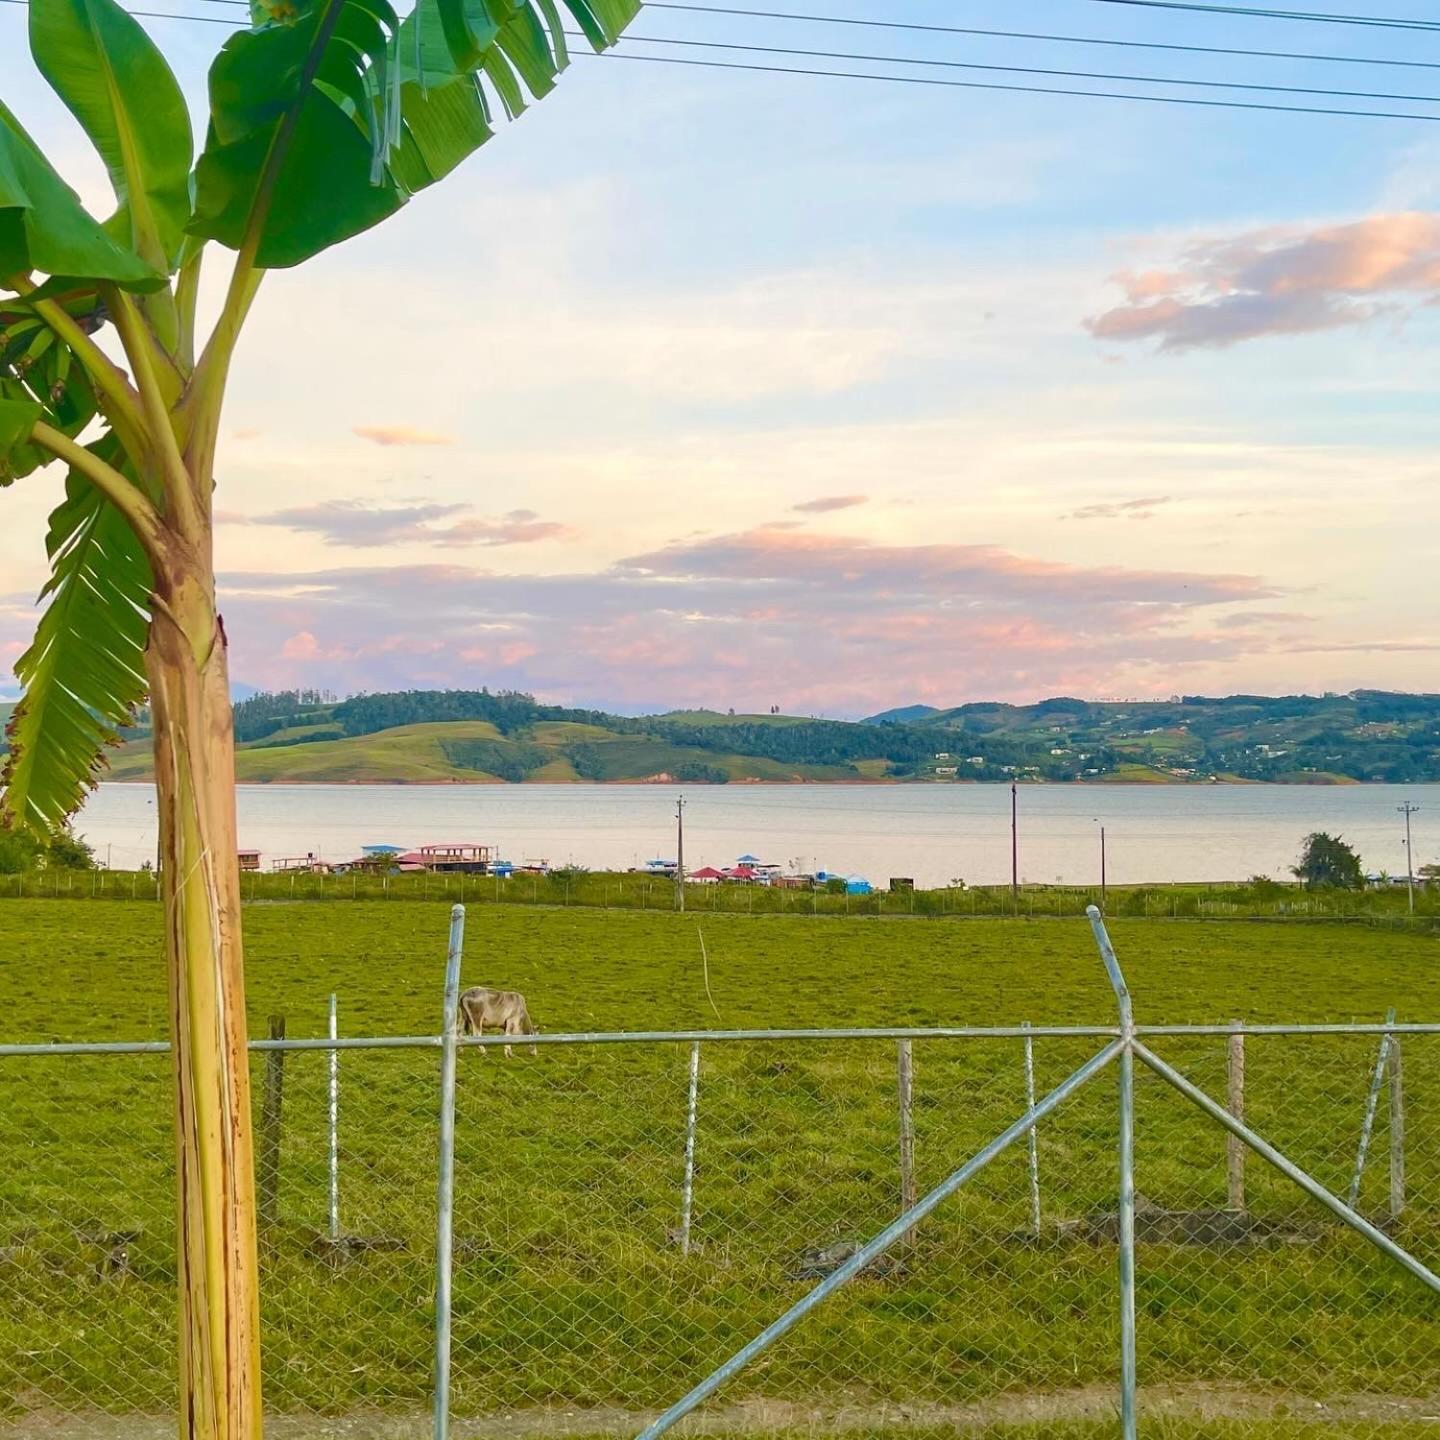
904 715
446 736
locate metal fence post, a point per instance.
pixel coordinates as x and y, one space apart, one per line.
1033 1139
1235 1098
272 1107
334 1129
1397 1130
445 1199
1127 1173
688 1196
905 1080
1312 1187
1372 1103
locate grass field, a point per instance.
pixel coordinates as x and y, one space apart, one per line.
569 1292
435 752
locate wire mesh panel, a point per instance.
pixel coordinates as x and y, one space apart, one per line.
87 1236
578 1282
346 1307
575 1281
589 1276
1245 1281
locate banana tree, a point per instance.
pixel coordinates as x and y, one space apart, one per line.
326 116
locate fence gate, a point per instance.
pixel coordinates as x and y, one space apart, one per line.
1125 1049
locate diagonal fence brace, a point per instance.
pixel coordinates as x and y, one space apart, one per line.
1312 1187
881 1243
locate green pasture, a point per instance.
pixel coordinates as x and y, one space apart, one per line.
571 1290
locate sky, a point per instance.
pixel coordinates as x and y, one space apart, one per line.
700 387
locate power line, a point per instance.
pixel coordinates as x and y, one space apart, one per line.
164 15
1027 69
968 30
913 80
1017 89
1318 17
1228 50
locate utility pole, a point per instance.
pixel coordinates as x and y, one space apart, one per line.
1102 867
1014 841
1407 810
680 853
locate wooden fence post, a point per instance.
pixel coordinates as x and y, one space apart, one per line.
271 1109
1397 1130
1234 1147
905 1076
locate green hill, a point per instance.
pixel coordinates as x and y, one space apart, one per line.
1366 735
903 715
313 745
449 736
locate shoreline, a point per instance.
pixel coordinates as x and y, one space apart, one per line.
861 782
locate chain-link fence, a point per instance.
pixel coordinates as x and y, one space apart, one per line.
629 1211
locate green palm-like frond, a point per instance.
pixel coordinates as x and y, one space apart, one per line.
326 118
84 673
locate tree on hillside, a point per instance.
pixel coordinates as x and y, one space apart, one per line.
1327 862
326 116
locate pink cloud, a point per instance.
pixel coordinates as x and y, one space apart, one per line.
519 527
301 646
1279 282
829 623
400 435
944 573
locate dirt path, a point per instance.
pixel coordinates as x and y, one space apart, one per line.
1193 1402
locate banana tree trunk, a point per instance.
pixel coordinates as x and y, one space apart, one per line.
200 886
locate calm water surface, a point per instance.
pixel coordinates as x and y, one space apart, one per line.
931 832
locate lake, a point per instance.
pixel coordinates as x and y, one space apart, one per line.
933 833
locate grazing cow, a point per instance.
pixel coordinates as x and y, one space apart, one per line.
481 1006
